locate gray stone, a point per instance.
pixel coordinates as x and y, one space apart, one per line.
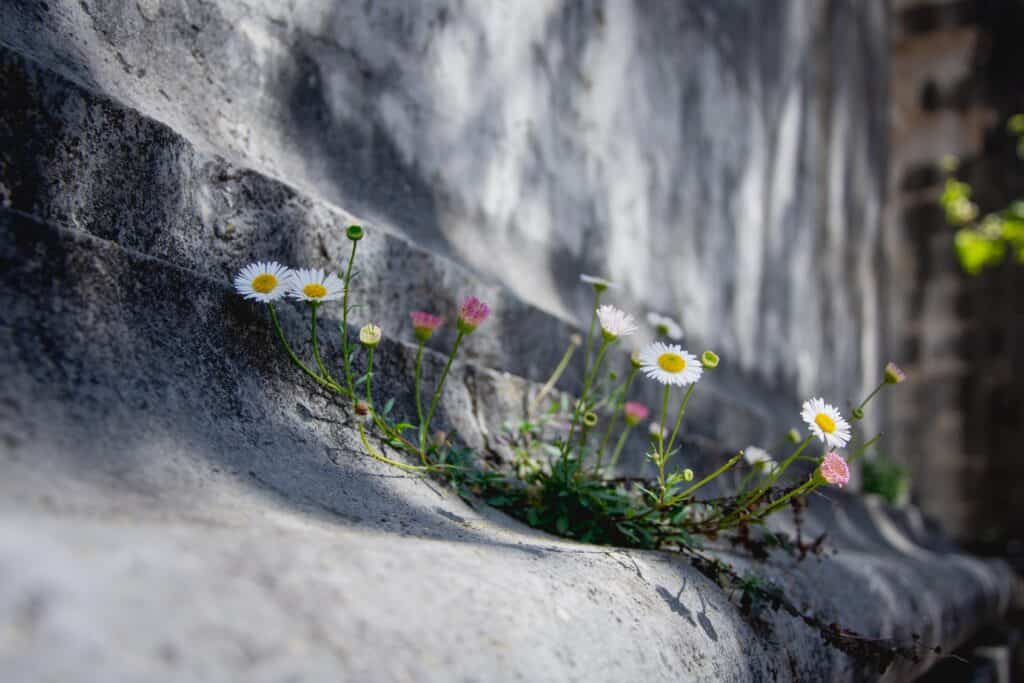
178 503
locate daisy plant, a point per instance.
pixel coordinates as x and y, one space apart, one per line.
269 282
557 478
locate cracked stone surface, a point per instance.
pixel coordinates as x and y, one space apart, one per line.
177 504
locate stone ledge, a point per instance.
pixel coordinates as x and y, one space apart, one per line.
172 490
83 162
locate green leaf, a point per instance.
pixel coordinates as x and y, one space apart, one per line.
562 524
389 405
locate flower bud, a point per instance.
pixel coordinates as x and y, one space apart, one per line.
709 359
687 474
369 335
893 374
858 413
355 232
793 436
589 419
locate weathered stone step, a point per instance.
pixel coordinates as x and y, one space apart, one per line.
171 483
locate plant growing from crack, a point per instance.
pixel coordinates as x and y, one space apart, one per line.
558 479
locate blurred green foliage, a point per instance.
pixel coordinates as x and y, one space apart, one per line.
887 478
986 241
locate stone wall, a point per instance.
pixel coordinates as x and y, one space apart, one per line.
177 504
724 161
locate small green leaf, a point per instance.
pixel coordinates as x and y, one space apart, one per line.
389 405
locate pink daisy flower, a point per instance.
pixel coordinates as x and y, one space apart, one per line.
471 314
834 470
635 413
424 324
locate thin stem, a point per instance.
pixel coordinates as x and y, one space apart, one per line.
618 449
590 334
393 434
729 463
679 417
586 388
771 479
860 451
616 414
378 456
345 347
295 359
662 458
580 408
369 375
313 306
871 395
782 501
424 426
418 378
555 376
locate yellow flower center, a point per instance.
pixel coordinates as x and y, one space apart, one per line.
315 290
264 283
671 362
827 424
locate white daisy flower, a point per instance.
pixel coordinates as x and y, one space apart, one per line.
263 282
598 283
826 423
665 326
670 364
759 457
312 284
615 323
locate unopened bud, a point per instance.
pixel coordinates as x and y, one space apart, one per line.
687 474
793 436
709 359
589 419
355 232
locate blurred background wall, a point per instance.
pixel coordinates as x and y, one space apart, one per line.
957 76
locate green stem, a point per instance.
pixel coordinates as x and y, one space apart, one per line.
679 417
662 458
418 378
313 306
763 488
295 359
616 414
618 448
590 334
345 347
871 395
378 456
425 426
860 451
555 376
782 501
586 389
369 375
729 463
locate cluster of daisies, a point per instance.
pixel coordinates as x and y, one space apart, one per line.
269 281
672 365
661 360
